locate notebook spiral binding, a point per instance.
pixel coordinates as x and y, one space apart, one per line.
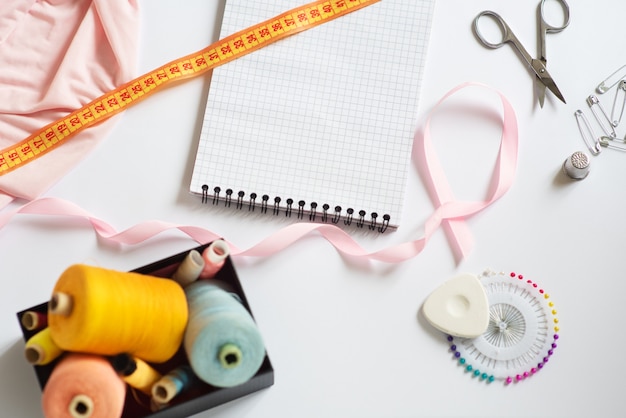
313 213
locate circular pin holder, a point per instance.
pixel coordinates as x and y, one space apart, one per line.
521 336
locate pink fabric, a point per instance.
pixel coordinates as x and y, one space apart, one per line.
56 56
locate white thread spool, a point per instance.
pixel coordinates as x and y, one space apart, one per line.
189 269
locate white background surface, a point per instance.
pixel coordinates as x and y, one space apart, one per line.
345 336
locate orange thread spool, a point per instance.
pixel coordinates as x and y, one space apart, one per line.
106 312
83 386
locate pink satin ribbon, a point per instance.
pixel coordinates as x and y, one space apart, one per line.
448 212
455 212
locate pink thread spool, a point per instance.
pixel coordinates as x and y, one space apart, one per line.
214 258
83 386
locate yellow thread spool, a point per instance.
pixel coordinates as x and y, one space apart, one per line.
106 312
136 372
41 349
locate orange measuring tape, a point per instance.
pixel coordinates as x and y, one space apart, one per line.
219 53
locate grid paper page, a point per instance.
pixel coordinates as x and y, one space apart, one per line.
325 116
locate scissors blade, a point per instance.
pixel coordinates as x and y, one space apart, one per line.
546 79
541 88
541 91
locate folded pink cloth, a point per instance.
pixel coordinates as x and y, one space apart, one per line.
56 56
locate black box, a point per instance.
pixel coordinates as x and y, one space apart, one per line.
202 396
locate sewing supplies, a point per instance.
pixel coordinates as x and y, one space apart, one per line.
606 142
33 320
83 386
136 372
172 384
587 132
203 265
113 312
223 51
41 349
459 307
521 335
619 102
595 143
154 387
610 138
222 342
601 116
612 80
449 212
576 166
190 269
538 66
214 256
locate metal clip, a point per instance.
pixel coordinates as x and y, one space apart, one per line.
612 80
607 142
587 133
621 91
601 116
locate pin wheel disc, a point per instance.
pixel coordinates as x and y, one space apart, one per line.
521 336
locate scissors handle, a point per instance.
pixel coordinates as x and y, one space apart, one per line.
549 28
507 36
507 33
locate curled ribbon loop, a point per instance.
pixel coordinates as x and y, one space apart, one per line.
449 212
452 212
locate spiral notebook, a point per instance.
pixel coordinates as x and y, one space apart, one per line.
318 126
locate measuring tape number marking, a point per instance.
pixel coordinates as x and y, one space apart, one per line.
219 53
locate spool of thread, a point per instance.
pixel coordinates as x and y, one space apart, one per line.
136 372
107 312
61 304
214 258
41 349
172 384
83 386
189 269
33 320
222 341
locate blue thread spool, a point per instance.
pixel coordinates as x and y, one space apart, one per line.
222 341
172 384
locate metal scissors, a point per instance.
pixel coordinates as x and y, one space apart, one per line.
543 78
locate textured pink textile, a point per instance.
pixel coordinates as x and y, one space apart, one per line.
56 56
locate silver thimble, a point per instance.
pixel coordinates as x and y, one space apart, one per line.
576 166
